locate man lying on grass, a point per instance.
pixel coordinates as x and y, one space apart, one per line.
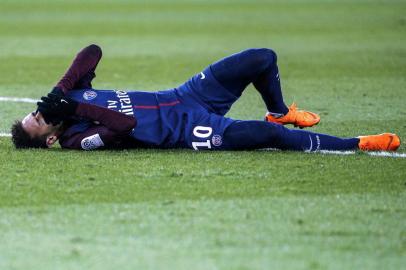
188 116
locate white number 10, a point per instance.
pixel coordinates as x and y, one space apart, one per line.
202 132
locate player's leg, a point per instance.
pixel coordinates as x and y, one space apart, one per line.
259 67
258 134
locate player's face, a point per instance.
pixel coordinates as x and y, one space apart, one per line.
34 124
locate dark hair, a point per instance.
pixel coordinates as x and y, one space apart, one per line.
22 139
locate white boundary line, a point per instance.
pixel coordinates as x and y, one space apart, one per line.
387 154
374 154
347 153
15 99
332 152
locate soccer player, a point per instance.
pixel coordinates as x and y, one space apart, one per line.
188 116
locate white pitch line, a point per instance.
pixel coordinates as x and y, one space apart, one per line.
374 154
387 154
346 153
15 99
335 152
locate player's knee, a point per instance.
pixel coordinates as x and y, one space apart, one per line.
269 55
262 57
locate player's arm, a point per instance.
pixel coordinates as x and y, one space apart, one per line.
109 125
115 121
109 129
95 137
79 75
82 70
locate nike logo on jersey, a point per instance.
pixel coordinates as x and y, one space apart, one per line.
203 76
64 101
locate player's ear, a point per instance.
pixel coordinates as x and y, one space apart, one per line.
51 139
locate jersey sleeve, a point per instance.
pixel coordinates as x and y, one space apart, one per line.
109 129
115 121
82 70
95 137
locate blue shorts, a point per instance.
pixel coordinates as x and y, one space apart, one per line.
209 102
206 90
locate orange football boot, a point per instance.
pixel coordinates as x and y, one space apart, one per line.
298 118
381 142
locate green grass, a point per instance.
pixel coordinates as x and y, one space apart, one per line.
179 209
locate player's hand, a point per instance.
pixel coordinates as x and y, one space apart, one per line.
56 107
57 91
45 107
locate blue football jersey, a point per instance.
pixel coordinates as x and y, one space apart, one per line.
164 119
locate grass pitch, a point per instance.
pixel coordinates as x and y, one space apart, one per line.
179 209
